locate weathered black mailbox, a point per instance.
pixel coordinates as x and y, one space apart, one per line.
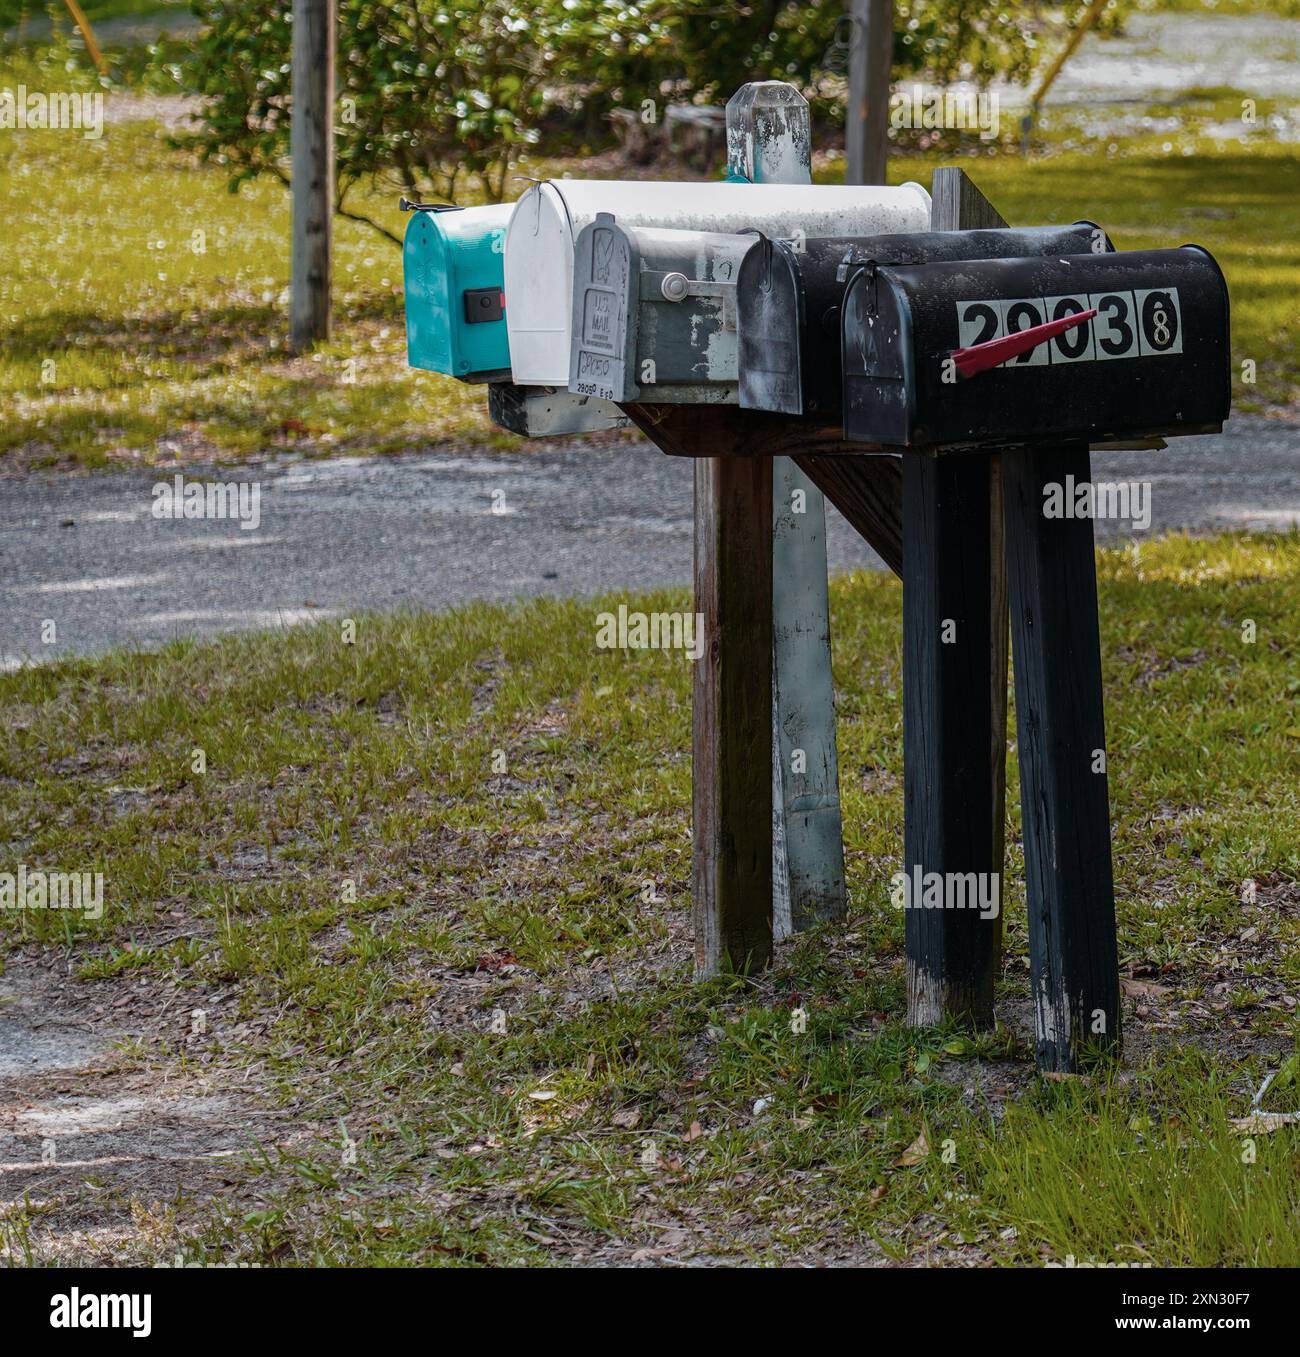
789 300
1011 352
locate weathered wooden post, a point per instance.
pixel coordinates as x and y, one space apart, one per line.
1061 739
955 691
953 531
769 140
871 60
311 141
731 870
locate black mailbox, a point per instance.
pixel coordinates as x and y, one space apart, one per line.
1007 352
788 302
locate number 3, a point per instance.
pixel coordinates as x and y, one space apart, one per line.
1116 337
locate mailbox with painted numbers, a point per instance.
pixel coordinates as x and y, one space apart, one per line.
549 217
654 313
1013 352
453 261
788 302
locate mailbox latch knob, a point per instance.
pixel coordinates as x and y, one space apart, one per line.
675 287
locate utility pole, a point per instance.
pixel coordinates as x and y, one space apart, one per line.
311 145
871 59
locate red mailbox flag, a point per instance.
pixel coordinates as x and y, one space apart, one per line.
981 357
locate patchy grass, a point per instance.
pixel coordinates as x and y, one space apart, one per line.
143 316
431 891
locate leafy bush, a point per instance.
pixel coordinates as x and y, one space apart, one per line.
438 99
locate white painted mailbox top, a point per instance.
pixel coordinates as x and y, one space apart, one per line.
547 219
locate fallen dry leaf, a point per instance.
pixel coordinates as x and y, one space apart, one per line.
914 1153
1128 986
1262 1123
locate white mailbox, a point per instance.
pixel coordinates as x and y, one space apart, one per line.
548 218
654 314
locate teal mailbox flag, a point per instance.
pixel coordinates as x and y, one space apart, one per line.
453 267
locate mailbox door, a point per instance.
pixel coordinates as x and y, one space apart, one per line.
654 314
1153 361
788 302
453 266
548 218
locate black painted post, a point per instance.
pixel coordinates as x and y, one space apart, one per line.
947 737
1061 737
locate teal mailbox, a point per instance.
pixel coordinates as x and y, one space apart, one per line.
453 267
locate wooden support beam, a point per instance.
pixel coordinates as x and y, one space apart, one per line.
808 834
732 716
871 67
311 143
868 491
947 712
727 431
957 204
769 141
1074 967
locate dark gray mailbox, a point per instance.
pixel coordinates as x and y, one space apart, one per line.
1011 352
654 313
788 302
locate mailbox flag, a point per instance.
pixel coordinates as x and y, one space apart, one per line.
993 353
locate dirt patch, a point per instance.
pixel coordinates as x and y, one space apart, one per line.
104 1142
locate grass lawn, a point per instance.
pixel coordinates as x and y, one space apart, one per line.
36 12
142 308
430 890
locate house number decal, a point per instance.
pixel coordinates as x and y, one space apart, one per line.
1139 324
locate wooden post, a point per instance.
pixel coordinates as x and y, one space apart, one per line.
731 879
769 140
871 64
1074 967
311 143
808 833
953 963
947 712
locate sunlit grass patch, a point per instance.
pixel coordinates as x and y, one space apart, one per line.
442 875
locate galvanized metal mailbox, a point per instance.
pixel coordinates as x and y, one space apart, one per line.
788 302
1011 352
549 217
453 261
654 313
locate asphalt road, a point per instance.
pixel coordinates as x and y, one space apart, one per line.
335 537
